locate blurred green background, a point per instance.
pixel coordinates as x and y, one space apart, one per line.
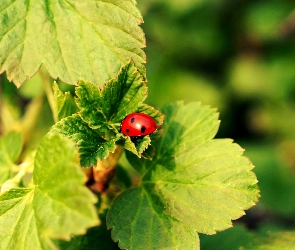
235 55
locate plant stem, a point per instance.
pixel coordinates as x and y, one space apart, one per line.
49 93
1 106
15 181
28 122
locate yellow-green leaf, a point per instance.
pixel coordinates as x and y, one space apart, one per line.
57 206
74 40
194 184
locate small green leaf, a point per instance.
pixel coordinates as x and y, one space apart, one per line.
90 102
64 103
10 149
73 39
106 108
152 112
57 206
91 144
194 184
96 128
136 146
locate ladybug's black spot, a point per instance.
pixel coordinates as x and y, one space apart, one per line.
143 129
132 120
127 130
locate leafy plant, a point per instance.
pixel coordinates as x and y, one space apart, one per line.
96 128
54 205
186 182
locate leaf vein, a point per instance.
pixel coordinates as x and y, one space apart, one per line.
8 5
98 34
158 214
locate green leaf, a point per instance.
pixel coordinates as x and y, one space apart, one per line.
75 40
136 146
194 184
65 103
90 143
106 108
96 128
138 222
10 149
151 111
57 206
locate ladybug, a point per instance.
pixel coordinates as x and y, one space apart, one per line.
138 125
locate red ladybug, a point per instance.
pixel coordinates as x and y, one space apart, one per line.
138 125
